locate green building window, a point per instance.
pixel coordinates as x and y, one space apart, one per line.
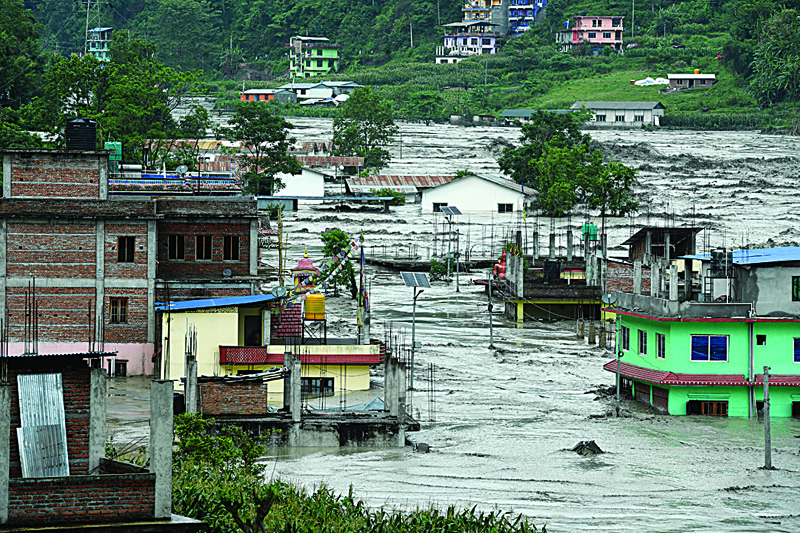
661 346
642 342
709 347
796 288
626 337
797 350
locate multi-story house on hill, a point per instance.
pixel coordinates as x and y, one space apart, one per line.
312 56
597 32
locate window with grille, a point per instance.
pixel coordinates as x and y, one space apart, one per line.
203 248
125 249
709 348
625 333
230 248
796 288
619 118
119 310
797 350
176 245
661 346
642 342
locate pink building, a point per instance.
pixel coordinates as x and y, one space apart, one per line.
599 32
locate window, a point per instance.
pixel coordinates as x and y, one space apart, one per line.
505 208
600 118
701 82
626 337
796 288
230 248
697 407
437 206
319 52
176 245
125 248
661 346
761 340
594 24
619 118
607 35
599 23
119 310
319 62
487 42
709 347
797 350
592 35
203 248
316 386
474 40
638 118
642 342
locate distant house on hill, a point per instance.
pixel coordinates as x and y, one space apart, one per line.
266 95
691 81
597 32
312 56
622 114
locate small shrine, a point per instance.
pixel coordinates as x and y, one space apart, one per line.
303 273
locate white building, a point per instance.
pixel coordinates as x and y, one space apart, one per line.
478 193
308 183
622 114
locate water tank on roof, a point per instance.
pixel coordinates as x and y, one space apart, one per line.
552 269
81 134
315 307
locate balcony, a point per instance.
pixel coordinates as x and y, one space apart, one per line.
335 352
660 307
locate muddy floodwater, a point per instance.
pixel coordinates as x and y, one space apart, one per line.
501 421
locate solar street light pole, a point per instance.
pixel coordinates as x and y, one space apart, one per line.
413 333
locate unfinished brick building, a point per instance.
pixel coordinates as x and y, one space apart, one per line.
101 263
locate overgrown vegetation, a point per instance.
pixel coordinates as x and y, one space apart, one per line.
398 198
336 242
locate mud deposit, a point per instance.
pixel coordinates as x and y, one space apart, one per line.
506 418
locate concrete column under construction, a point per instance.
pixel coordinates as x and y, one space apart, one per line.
687 276
655 279
391 387
287 382
569 245
667 246
648 247
295 383
97 417
673 283
536 245
604 243
552 246
637 277
401 405
161 445
190 394
5 447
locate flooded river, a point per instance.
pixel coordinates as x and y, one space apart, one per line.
506 417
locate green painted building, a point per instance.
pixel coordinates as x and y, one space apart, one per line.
706 354
312 56
98 43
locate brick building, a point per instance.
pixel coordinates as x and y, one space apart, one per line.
100 263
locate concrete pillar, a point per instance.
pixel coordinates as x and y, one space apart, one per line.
580 329
637 277
655 279
648 247
391 386
519 241
519 274
604 241
586 243
592 333
552 246
687 286
254 252
5 447
520 312
591 269
673 283
604 275
536 245
287 380
294 396
667 246
401 405
97 416
161 445
602 341
569 245
190 393
365 323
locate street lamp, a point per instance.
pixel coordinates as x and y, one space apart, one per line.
415 280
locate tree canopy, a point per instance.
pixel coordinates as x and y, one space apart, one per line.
364 127
265 139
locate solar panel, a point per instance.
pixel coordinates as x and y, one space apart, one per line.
413 279
450 210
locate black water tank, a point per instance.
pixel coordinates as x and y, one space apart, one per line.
81 134
552 269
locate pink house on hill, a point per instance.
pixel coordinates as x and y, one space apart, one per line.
599 32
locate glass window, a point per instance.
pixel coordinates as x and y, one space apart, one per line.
600 118
797 350
505 208
230 248
203 248
642 342
625 333
796 288
176 245
607 35
125 249
619 118
709 348
592 35
638 118
661 346
119 310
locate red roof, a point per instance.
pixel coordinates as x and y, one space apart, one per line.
388 181
659 377
330 161
246 355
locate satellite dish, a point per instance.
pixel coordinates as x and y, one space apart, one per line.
278 292
609 298
183 169
227 273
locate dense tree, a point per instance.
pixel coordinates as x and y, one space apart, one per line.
364 127
776 68
265 139
334 241
189 40
20 68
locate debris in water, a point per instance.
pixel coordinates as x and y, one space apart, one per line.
587 448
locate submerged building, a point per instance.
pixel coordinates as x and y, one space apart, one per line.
700 345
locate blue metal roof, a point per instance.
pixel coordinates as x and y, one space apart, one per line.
759 256
214 302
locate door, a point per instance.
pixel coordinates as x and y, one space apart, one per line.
252 331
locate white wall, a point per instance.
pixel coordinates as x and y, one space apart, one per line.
308 183
471 193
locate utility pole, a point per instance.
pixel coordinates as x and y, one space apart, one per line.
491 330
767 434
457 258
633 15
411 30
619 354
92 21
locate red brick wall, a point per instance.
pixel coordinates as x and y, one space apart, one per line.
60 175
63 313
75 383
288 322
189 267
110 498
247 398
180 294
51 250
135 329
115 269
620 277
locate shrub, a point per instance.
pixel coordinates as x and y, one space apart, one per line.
399 199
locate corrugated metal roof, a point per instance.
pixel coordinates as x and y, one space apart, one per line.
363 189
43 441
618 105
659 377
762 256
500 181
329 161
407 181
214 302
